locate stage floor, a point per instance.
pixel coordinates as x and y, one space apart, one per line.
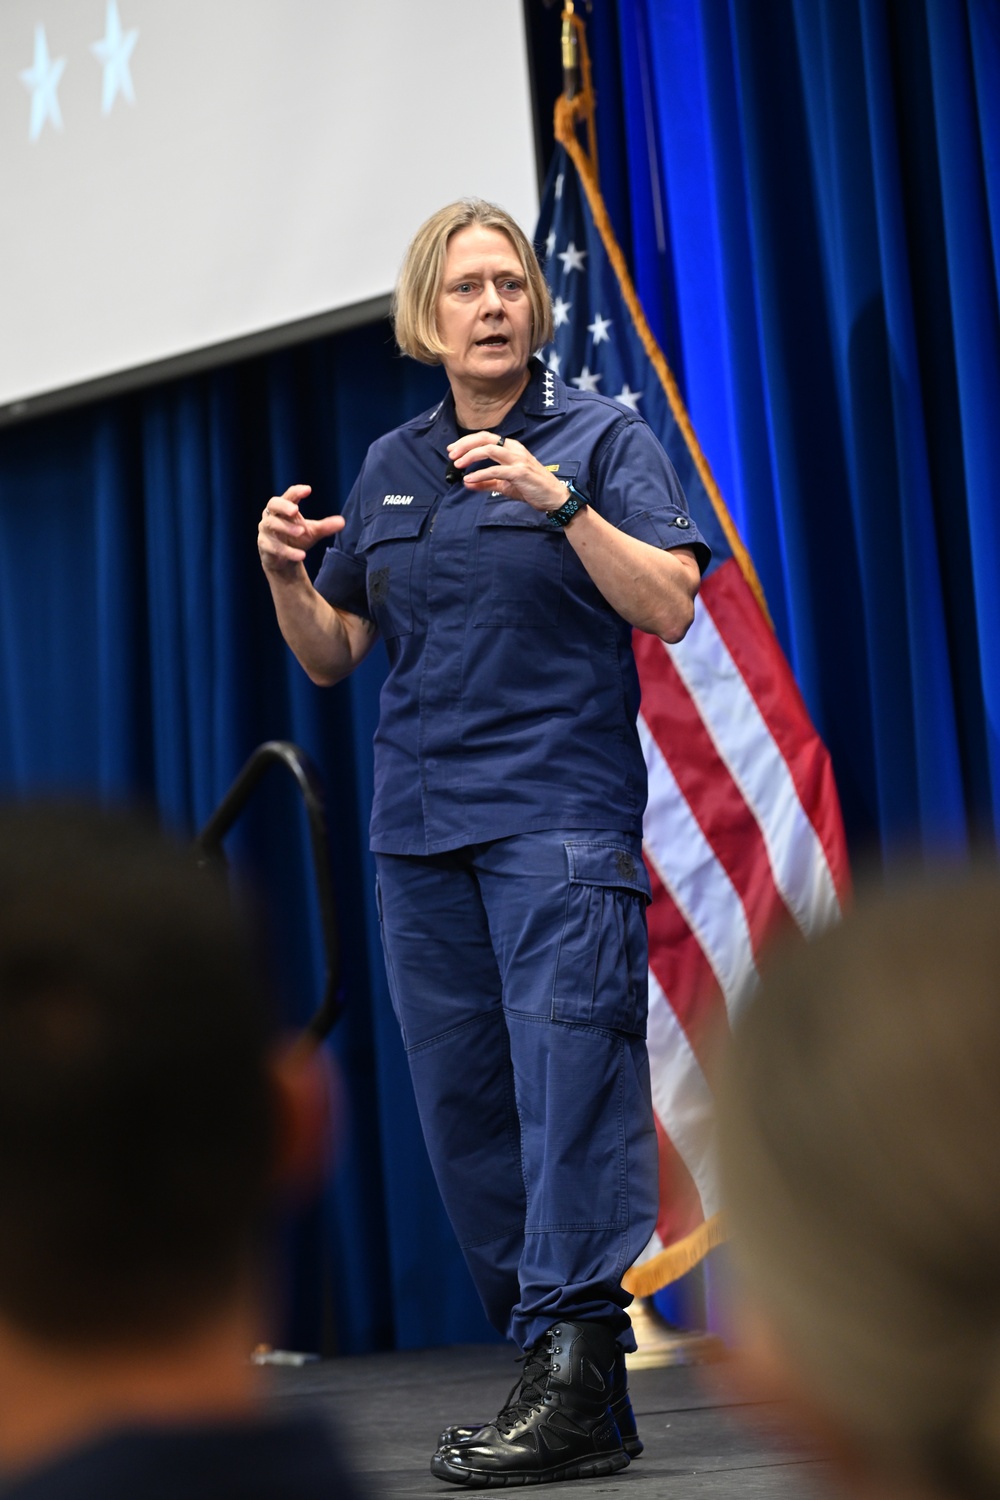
700 1444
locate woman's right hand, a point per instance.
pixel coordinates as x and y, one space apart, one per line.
285 535
328 642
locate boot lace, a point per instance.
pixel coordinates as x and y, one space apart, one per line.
528 1390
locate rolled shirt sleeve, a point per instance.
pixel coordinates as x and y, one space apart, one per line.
341 579
636 489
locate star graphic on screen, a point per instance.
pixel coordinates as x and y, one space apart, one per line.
586 380
554 362
113 52
42 78
560 312
572 258
629 398
599 328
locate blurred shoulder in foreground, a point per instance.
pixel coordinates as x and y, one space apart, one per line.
860 1143
147 1118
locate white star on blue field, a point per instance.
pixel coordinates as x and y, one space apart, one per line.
560 312
599 328
587 380
572 258
113 52
595 346
42 78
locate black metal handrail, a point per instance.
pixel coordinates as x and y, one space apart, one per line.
209 847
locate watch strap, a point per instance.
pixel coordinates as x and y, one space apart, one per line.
574 502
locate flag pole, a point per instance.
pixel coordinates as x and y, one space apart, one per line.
577 84
576 105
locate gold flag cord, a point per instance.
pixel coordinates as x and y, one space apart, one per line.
569 113
676 1260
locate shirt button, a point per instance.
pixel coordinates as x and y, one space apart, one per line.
681 521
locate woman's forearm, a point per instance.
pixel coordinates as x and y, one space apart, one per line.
328 643
652 587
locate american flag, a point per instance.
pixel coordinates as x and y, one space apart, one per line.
742 833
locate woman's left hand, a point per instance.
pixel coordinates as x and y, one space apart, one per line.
513 471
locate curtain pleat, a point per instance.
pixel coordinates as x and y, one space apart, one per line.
829 170
972 286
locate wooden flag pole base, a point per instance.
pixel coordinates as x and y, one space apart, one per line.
660 1344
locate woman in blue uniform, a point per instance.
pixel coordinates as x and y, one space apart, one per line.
504 545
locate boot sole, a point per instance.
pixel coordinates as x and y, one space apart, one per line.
633 1445
587 1468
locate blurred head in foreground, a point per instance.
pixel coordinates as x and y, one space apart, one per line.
136 1123
860 1142
145 1120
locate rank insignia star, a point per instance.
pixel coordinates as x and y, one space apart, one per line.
547 390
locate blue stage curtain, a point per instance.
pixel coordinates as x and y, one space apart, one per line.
828 175
140 660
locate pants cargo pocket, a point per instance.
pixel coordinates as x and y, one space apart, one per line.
601 972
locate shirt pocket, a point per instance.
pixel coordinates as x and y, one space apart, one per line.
519 566
602 974
386 544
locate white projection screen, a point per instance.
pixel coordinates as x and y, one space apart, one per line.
183 181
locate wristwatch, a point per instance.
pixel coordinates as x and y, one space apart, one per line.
575 500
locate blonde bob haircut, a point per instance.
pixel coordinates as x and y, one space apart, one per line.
414 301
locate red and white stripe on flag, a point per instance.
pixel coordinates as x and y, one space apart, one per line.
742 832
743 837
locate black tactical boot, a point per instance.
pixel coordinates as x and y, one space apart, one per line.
621 1410
560 1424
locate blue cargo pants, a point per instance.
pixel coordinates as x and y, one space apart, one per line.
517 970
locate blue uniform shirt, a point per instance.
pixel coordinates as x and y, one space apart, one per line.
512 693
